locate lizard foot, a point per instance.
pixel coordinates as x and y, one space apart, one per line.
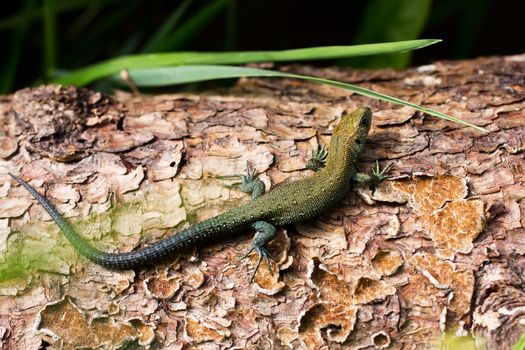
263 252
379 174
318 159
251 184
265 232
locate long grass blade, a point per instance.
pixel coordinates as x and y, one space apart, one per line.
103 69
194 24
36 13
107 23
158 41
154 77
50 35
9 70
386 20
231 24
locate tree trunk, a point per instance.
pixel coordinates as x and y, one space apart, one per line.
437 250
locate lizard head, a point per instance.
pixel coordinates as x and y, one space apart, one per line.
348 139
355 125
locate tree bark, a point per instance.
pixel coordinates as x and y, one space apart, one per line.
439 249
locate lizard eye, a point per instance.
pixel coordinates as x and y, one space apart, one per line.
364 122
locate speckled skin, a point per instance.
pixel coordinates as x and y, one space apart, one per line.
286 204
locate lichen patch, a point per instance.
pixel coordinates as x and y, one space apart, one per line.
199 332
454 227
336 305
451 221
336 321
426 194
386 262
368 290
162 286
63 324
444 276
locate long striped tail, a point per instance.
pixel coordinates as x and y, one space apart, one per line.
177 243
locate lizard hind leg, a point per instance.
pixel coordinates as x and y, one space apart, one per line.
264 233
251 184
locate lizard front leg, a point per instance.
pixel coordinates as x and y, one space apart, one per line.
264 233
251 184
318 159
375 178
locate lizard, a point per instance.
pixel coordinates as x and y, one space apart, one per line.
335 173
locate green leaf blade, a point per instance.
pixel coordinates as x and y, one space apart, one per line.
103 69
155 77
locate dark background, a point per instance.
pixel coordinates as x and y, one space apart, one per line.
89 31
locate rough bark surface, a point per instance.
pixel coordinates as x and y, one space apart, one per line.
442 248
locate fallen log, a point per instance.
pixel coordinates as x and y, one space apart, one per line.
437 250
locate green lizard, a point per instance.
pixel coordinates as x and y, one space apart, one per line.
335 173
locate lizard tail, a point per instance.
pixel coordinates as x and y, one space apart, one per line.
178 243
